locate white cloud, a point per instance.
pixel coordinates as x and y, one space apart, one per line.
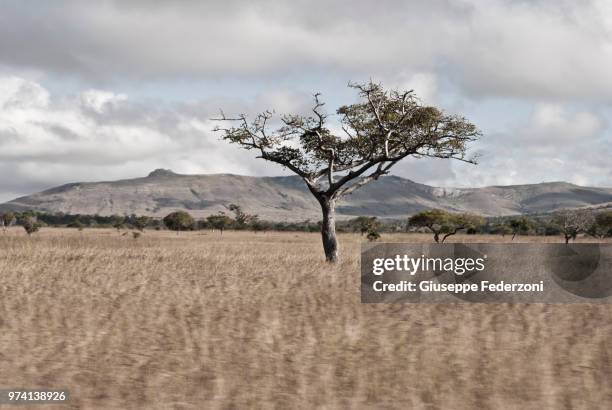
554 122
100 101
47 140
18 93
99 135
553 144
528 49
424 84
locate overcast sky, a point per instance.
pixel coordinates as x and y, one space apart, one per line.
114 89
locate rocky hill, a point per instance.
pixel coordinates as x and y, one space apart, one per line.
287 198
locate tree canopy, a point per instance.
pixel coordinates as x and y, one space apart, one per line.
520 225
571 222
602 225
179 221
368 138
30 224
444 223
141 222
7 219
219 221
385 127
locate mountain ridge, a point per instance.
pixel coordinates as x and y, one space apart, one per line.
287 198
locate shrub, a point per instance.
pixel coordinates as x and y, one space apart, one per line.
179 221
373 236
30 225
444 223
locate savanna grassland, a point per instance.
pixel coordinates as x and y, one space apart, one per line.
199 321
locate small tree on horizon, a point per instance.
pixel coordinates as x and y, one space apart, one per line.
30 224
444 223
385 127
178 221
571 222
519 225
77 224
219 221
141 222
7 220
373 236
601 226
117 222
242 219
364 224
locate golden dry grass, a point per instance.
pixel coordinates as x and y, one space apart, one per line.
260 321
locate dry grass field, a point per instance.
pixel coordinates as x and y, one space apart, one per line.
199 321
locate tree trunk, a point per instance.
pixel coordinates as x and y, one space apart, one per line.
328 229
449 234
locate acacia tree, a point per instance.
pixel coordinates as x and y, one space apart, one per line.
219 221
602 225
30 224
7 220
571 222
242 218
519 225
365 224
141 222
178 221
440 222
377 132
118 222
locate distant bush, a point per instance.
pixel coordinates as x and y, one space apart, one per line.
76 224
445 224
572 222
30 224
364 224
219 222
7 220
141 222
373 236
179 221
520 225
597 224
601 226
551 230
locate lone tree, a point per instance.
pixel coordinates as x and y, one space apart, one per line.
30 224
364 224
118 222
141 222
178 221
242 218
519 225
373 236
602 225
77 224
571 222
445 223
219 221
7 220
377 132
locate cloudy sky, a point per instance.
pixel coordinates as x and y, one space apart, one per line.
114 89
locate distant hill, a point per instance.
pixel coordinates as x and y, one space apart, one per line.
287 198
